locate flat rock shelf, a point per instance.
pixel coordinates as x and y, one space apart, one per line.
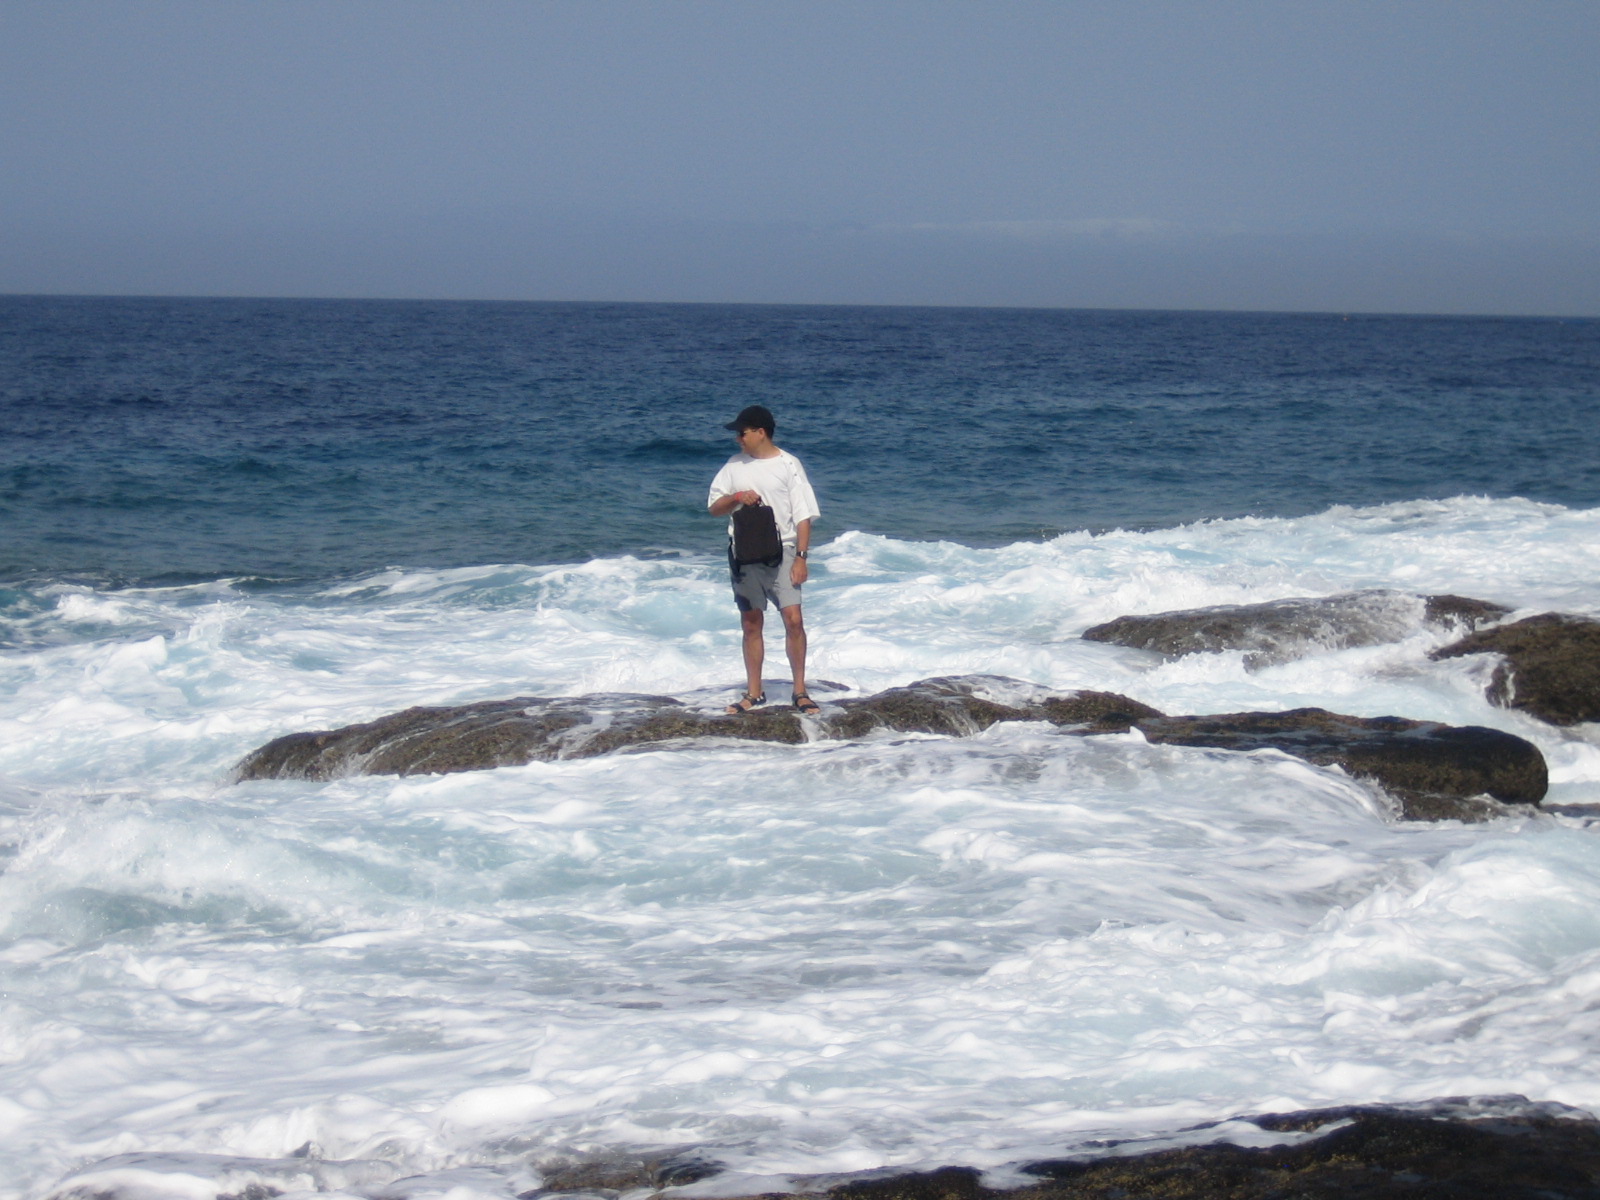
1433 771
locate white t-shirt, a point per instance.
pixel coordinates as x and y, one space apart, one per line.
781 483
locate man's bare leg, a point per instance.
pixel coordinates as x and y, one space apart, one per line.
794 643
754 649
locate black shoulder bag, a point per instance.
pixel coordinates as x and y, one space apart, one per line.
755 537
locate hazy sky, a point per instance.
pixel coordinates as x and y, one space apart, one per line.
1374 155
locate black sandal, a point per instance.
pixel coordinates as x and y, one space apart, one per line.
744 704
807 706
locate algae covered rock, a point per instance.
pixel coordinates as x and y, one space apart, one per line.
1551 667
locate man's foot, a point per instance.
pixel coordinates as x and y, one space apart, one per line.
807 706
745 703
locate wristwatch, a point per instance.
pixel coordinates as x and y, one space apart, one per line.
801 553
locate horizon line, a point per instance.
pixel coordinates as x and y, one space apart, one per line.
1151 310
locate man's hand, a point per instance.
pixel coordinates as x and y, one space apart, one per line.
799 572
726 504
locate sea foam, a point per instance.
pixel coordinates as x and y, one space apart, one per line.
833 957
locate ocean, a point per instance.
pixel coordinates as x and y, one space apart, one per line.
747 964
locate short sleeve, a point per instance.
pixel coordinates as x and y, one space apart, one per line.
803 501
721 485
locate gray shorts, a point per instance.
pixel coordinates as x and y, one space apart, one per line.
755 584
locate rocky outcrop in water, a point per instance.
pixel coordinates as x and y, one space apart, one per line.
1281 630
502 733
1434 771
1372 1152
1551 667
1472 1149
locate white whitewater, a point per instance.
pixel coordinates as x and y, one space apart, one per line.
904 952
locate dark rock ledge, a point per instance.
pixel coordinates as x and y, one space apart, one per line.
1549 665
1442 1150
1478 1148
1549 668
1281 630
500 733
1434 771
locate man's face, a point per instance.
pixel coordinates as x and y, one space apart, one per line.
750 439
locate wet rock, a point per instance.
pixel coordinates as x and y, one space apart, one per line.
1501 1147
1551 667
613 1174
1281 630
942 706
499 733
945 1183
1369 1152
960 706
1436 772
502 733
1095 712
1446 612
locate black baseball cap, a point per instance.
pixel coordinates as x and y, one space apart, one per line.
754 417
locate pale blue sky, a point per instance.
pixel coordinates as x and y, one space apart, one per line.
1372 155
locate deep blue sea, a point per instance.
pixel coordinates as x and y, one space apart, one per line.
166 439
222 521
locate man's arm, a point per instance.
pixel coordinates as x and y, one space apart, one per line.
801 571
723 505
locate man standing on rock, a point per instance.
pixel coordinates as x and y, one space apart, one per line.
761 474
